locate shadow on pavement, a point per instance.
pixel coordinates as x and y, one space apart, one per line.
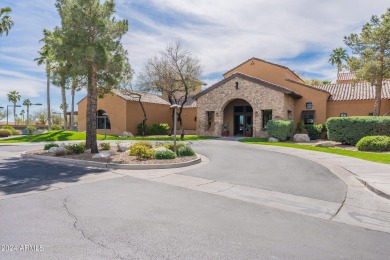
19 176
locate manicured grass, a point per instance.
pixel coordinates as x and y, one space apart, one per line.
73 136
374 157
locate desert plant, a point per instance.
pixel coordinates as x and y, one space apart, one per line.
377 143
164 155
56 127
145 143
105 146
314 131
170 145
185 151
49 145
5 133
281 129
349 130
30 129
141 151
75 148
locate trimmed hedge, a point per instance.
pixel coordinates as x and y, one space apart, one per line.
141 151
349 130
376 143
49 145
185 151
178 146
164 155
5 132
314 131
281 129
155 129
55 127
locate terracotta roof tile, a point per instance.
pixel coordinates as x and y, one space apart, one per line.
145 97
354 91
346 76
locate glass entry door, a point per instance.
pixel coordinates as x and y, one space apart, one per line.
243 120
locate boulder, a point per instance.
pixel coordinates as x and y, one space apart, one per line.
52 149
127 134
273 140
103 154
122 147
326 144
301 138
161 148
59 151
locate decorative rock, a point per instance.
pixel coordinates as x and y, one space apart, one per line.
63 145
326 144
161 148
122 147
273 139
60 151
300 138
103 154
127 134
52 150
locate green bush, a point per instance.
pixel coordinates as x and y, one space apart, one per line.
377 143
50 145
31 129
185 151
75 148
170 146
55 127
349 130
105 146
281 129
141 151
16 132
9 127
155 129
145 143
314 131
5 132
164 155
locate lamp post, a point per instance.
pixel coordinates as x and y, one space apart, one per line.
105 125
174 106
7 111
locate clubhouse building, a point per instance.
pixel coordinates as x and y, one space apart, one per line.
249 95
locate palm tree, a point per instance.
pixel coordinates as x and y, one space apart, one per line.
337 57
13 97
45 58
27 103
5 20
22 115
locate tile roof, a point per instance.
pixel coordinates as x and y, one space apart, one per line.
251 79
346 76
354 91
145 97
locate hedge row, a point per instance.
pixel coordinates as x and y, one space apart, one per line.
155 129
349 130
281 129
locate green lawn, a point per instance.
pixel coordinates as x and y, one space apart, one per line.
374 157
73 136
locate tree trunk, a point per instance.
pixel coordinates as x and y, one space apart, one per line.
14 113
91 110
181 127
63 94
48 69
173 123
378 86
28 114
74 86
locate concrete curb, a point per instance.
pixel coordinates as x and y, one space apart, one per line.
111 165
372 188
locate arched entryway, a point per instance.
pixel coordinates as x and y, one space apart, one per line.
102 120
238 116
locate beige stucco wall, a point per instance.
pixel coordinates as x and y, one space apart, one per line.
356 108
258 96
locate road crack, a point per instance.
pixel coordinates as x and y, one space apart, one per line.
75 226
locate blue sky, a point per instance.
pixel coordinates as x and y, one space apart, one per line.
299 34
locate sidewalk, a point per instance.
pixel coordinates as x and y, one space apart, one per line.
375 176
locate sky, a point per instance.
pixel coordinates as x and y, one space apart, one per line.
299 34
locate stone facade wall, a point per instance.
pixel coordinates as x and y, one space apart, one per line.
258 96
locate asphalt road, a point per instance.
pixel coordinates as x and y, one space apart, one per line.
129 218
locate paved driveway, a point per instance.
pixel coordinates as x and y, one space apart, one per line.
237 163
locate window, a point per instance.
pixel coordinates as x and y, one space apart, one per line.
195 119
289 114
370 114
236 85
343 114
266 116
210 120
101 119
309 105
308 116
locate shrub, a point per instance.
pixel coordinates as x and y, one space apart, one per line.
281 129
55 127
314 131
16 132
5 133
185 151
155 129
376 143
9 127
82 144
349 130
49 145
141 151
170 145
164 155
105 146
299 129
75 148
145 143
30 129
